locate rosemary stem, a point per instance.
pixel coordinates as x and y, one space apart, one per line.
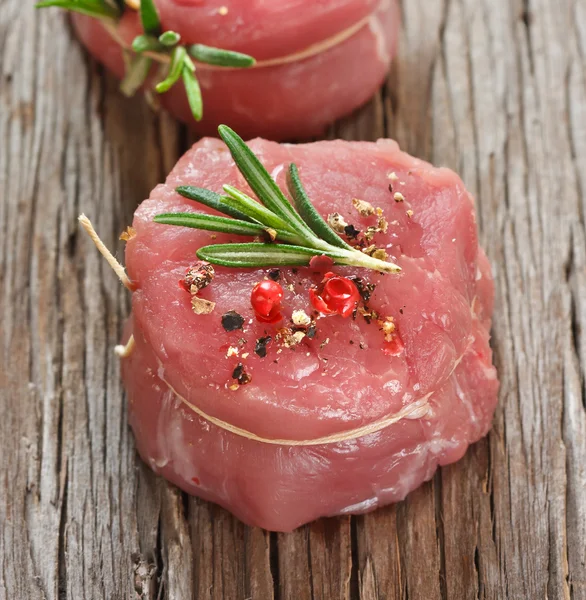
110 25
111 28
355 258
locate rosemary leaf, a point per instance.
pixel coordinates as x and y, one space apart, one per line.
308 212
258 255
189 64
224 225
176 68
261 183
211 199
250 255
211 223
136 75
219 57
255 210
169 38
144 43
193 92
150 17
93 8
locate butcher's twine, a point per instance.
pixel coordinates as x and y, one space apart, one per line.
415 410
126 350
110 259
308 52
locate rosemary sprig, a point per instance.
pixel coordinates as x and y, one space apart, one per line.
304 232
155 45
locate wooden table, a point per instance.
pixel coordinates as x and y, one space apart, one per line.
495 89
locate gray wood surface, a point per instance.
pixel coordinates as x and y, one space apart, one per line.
495 89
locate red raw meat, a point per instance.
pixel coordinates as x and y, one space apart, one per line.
424 402
289 100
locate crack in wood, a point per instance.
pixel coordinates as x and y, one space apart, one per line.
354 565
62 566
439 525
526 18
144 574
274 565
479 592
310 563
158 579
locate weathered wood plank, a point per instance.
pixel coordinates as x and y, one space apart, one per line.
381 574
231 560
83 521
315 561
506 495
493 89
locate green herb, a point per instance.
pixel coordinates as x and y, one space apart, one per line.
212 200
175 70
169 38
149 17
304 232
308 212
193 92
93 8
219 57
146 43
155 45
136 74
259 255
213 223
254 210
258 178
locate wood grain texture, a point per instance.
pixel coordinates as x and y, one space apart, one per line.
495 89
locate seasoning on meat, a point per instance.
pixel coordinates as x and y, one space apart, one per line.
240 374
231 321
351 232
201 306
365 209
266 299
336 295
198 276
300 317
337 223
127 234
260 347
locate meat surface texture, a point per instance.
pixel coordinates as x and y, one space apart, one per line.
423 404
325 59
